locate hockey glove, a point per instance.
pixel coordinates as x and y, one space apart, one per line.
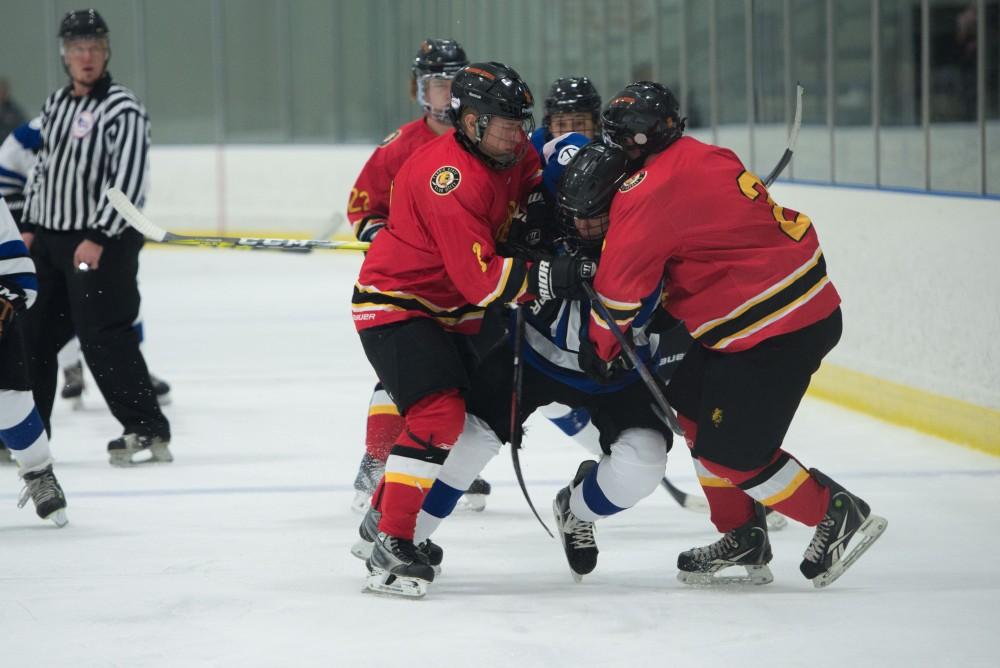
559 277
12 300
368 227
600 370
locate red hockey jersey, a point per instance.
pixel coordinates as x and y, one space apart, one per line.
370 194
739 268
437 258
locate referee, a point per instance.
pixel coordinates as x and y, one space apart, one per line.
95 135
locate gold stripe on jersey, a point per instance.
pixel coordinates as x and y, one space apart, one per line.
777 481
383 409
409 480
508 264
707 478
622 312
767 307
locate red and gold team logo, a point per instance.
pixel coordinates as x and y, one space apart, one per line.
445 179
391 137
632 181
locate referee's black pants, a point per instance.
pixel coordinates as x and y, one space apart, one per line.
99 307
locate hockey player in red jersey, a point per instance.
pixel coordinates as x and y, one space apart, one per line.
749 280
424 288
434 66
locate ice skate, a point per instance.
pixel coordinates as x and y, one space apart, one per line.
72 389
123 450
369 474
746 546
775 520
397 568
474 498
368 531
827 558
161 389
44 490
577 535
5 456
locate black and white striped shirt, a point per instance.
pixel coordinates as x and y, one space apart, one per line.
90 143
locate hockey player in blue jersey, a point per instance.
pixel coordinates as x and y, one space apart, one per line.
21 428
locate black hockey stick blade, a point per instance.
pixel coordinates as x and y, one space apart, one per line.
154 232
686 501
664 411
516 426
793 137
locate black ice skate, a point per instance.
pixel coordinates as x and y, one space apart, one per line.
474 498
397 567
122 450
827 558
368 531
746 546
72 389
44 490
577 535
161 389
369 474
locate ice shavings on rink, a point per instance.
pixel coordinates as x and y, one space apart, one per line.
237 554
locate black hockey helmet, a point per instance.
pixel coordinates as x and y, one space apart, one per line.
569 95
589 183
82 23
439 56
490 89
645 115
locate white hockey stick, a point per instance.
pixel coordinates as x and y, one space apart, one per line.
154 232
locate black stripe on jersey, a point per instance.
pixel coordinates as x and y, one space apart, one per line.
515 281
412 304
769 306
767 473
428 454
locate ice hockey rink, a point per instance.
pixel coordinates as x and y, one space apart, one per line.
237 554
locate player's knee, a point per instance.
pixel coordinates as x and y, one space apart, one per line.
437 420
635 468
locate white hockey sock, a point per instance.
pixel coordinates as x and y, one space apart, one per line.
22 431
472 452
568 420
630 473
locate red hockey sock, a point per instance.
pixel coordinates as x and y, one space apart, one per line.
384 425
783 484
729 505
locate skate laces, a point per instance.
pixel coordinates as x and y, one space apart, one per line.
41 489
719 548
817 546
581 533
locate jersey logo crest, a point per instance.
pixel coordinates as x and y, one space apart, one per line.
566 154
389 138
632 181
445 179
83 124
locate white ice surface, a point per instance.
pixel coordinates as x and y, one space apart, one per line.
237 553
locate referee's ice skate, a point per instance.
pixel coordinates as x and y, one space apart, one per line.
122 451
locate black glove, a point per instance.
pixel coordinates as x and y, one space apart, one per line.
368 227
12 300
598 369
532 231
559 277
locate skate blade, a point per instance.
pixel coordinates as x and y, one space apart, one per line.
164 399
361 502
755 575
475 503
158 454
362 549
870 531
75 403
58 518
386 584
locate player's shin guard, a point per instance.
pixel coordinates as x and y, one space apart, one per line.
22 431
630 473
472 452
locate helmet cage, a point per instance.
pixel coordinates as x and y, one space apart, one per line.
442 115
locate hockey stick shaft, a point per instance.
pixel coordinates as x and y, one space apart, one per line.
154 232
516 427
793 138
666 413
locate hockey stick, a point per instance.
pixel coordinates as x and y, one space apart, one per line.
516 429
793 137
698 504
154 232
664 411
